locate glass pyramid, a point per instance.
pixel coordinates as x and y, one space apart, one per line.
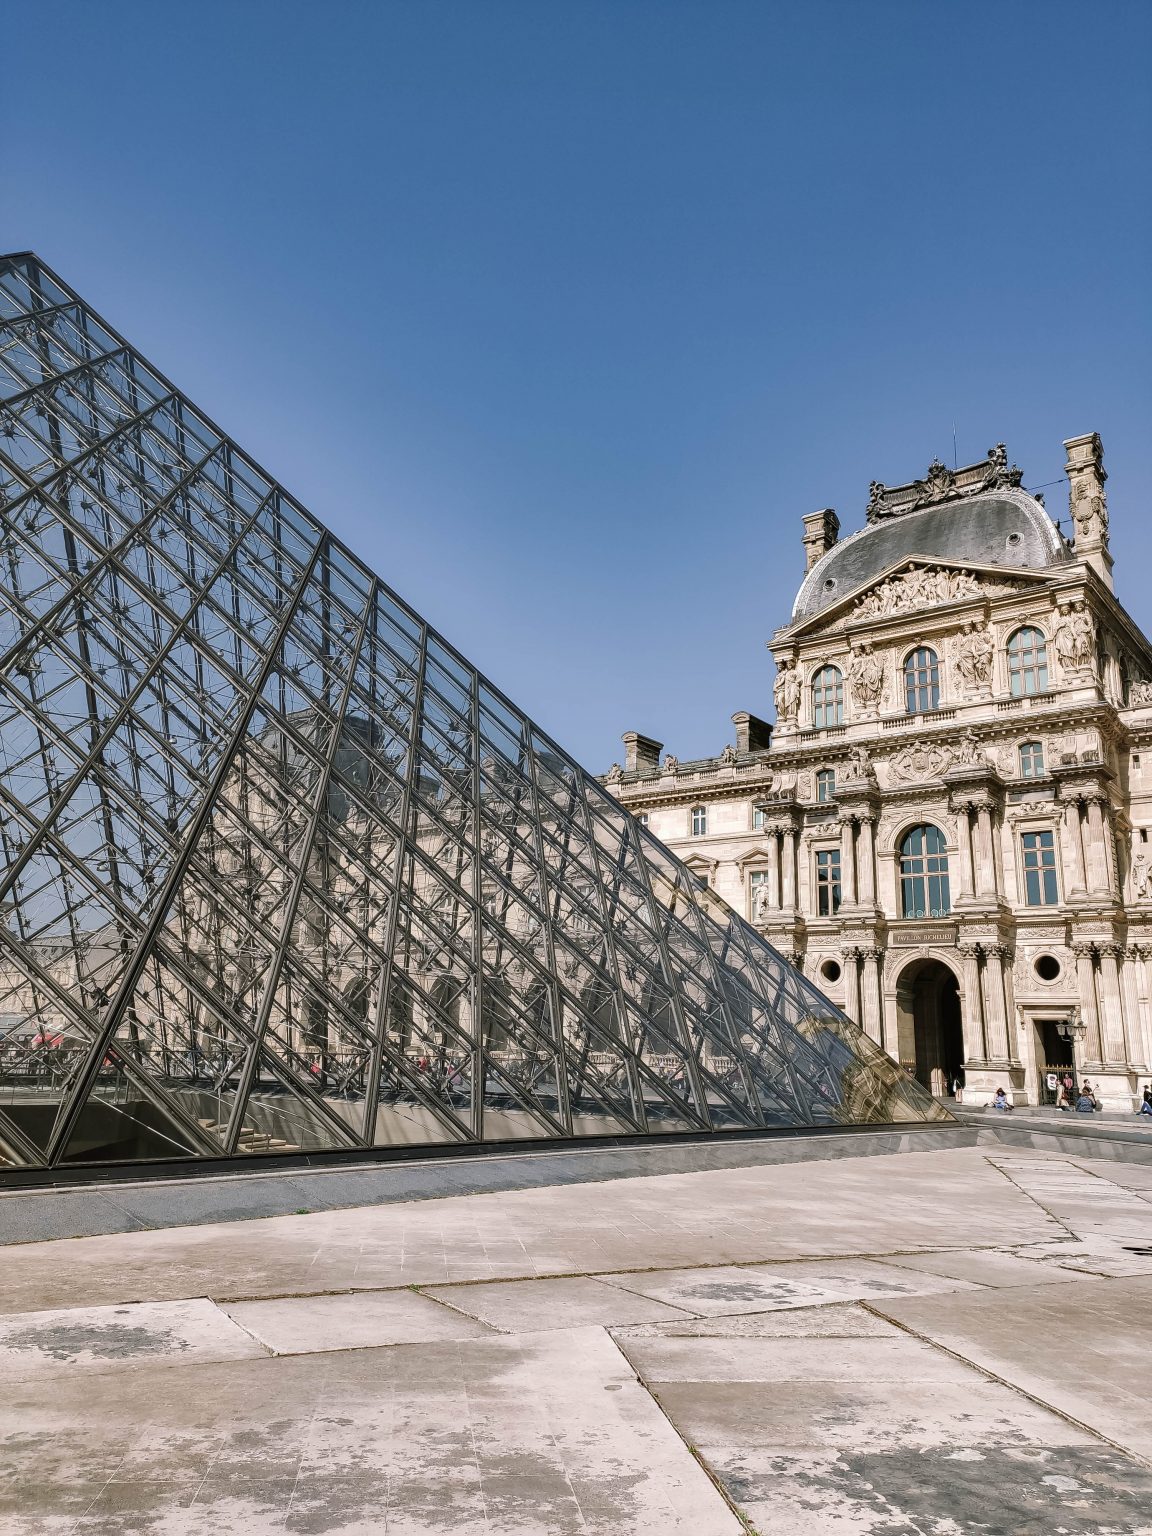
282 873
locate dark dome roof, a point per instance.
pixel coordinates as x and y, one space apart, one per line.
1006 527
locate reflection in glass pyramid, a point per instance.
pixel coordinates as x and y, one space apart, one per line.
282 873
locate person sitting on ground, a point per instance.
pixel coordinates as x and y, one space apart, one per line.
1146 1102
1086 1103
1086 1087
1067 1099
1000 1101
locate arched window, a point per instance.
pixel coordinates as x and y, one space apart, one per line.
828 697
1027 662
924 873
921 681
1032 760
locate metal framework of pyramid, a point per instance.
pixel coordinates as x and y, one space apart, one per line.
282 873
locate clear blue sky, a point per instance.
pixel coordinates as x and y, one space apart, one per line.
563 314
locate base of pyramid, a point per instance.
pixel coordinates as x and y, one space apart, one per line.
40 1204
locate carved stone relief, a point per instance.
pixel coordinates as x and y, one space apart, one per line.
926 587
920 762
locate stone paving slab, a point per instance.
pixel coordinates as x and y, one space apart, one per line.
896 1358
300 1325
982 1266
36 1345
837 1320
528 1306
996 1490
863 1278
1082 1347
539 1435
723 1290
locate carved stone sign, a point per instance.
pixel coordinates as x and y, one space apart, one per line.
914 938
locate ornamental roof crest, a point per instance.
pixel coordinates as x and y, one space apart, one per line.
941 484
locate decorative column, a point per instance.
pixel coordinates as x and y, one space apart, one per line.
964 850
1111 1006
873 1020
773 871
972 1001
847 862
866 862
1073 848
1100 858
1086 990
789 881
994 1008
851 959
985 852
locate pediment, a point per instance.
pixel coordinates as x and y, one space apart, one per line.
913 583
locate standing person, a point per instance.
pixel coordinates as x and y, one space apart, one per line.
1146 1102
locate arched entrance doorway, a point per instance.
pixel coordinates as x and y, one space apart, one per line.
931 1034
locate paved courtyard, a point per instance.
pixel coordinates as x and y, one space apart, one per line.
922 1345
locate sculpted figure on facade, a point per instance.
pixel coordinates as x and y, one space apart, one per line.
860 764
786 690
1140 691
866 678
761 907
671 764
1075 638
728 756
1141 871
974 653
968 753
615 774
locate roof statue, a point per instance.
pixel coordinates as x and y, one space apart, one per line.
282 873
943 484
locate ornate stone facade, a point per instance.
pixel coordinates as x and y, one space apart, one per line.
950 824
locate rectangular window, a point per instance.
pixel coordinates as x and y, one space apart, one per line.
1032 760
643 818
825 785
1039 869
828 882
699 820
759 817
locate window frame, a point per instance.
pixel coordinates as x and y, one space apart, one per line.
825 777
921 680
924 872
1027 668
1039 874
1030 756
698 813
827 880
827 693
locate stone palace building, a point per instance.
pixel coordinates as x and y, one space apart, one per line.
948 825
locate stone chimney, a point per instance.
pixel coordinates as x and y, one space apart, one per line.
641 753
752 733
1088 504
821 530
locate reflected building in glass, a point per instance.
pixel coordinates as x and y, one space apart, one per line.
282 873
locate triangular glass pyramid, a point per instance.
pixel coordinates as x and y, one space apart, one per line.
281 873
